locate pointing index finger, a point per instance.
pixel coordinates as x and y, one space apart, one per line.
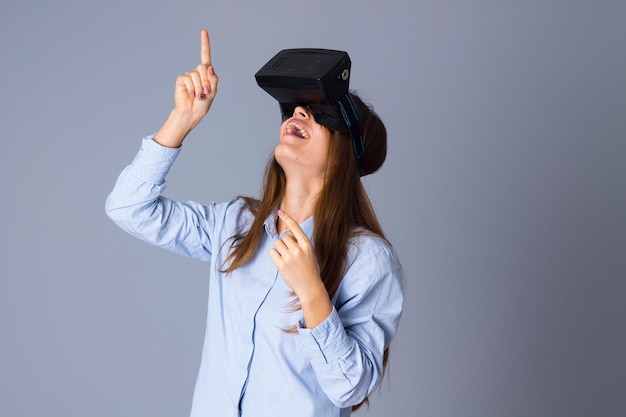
205 48
294 227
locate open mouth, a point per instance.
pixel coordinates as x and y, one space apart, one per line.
296 129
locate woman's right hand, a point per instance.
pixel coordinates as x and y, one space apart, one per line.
193 95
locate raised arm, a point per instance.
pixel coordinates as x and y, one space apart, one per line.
137 204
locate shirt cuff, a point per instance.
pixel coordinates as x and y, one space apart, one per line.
328 341
153 161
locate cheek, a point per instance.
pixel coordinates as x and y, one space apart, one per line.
281 129
324 143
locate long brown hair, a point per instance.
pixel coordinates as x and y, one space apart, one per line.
343 208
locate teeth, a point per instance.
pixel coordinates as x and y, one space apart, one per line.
294 128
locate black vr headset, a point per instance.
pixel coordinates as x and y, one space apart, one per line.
318 79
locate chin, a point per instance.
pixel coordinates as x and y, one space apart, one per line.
291 160
284 156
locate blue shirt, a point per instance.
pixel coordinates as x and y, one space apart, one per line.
251 366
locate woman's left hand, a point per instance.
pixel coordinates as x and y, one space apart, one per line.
295 259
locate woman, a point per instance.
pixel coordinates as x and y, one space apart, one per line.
305 293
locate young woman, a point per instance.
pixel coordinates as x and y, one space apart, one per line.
305 292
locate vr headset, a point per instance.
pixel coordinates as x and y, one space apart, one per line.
318 79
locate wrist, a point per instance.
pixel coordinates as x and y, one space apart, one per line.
313 294
316 306
174 130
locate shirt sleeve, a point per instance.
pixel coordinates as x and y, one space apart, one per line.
346 350
137 205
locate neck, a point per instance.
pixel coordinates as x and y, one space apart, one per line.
299 200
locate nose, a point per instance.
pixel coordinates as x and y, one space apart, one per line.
301 112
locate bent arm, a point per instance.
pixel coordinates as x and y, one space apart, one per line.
137 206
346 350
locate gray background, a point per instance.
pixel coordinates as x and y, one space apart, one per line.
504 194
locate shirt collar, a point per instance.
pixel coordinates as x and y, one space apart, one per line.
270 226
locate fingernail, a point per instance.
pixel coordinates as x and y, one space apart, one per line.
280 212
206 89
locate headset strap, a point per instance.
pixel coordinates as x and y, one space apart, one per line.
350 116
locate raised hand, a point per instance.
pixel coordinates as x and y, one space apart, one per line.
195 90
193 95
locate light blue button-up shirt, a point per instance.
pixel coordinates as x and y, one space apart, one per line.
251 366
